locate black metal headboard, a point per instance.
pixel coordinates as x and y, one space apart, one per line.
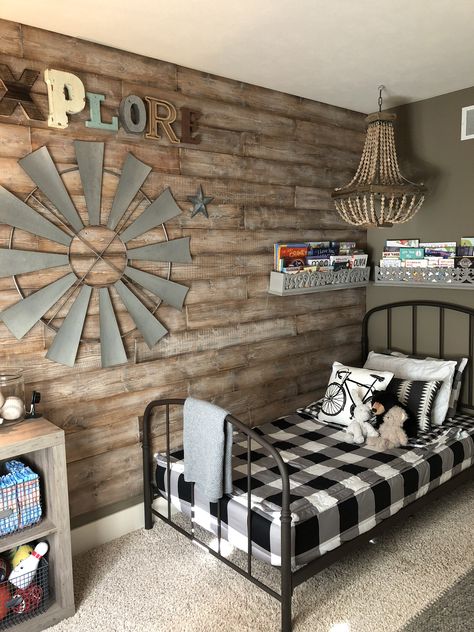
467 396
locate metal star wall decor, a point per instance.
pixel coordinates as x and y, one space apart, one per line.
98 255
200 202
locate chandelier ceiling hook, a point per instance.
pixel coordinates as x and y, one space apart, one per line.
380 88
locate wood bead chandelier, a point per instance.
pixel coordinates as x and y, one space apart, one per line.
378 195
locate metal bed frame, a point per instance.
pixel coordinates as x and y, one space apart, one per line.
291 578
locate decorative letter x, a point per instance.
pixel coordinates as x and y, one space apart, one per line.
18 92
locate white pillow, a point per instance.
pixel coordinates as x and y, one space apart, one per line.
415 369
347 385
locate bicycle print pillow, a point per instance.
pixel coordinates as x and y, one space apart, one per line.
340 398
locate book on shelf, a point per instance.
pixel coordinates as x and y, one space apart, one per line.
359 260
443 250
464 262
317 255
465 251
402 243
413 253
318 262
281 251
390 263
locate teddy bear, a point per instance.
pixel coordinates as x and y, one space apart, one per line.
393 420
360 427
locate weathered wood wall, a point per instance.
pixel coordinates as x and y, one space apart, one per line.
270 160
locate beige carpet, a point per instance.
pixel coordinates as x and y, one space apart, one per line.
159 581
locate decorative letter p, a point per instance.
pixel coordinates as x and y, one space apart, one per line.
66 95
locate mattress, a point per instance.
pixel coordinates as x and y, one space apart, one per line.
338 490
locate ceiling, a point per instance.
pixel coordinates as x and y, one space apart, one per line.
334 51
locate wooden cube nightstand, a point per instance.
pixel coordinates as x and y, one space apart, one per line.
42 445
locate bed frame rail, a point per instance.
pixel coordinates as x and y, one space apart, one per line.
292 578
467 394
150 492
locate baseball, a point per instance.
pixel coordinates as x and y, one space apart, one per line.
13 408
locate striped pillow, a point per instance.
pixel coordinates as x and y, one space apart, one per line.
417 396
456 385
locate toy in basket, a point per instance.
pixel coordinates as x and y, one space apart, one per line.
20 503
23 593
24 573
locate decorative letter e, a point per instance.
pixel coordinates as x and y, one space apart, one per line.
66 95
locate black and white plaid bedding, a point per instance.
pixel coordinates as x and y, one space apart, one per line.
338 490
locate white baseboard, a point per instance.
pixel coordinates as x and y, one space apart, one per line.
111 527
104 530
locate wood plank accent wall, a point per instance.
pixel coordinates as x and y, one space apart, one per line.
270 160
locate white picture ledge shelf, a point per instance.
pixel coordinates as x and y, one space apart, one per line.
307 282
442 278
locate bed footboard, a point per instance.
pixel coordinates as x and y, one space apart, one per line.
150 492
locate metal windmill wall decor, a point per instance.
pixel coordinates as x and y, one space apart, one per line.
99 256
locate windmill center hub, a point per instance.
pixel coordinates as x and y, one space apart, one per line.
88 266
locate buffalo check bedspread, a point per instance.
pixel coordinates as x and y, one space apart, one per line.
338 490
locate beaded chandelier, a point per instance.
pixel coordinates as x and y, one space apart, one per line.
378 195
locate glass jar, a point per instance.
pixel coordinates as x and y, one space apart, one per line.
12 395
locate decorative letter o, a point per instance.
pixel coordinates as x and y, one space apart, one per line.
132 114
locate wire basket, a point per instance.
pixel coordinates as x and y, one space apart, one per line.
25 600
20 498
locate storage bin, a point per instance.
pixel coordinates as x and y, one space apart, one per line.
20 497
20 604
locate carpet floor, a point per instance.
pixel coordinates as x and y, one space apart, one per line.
453 611
158 581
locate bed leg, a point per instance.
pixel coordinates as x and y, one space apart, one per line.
148 514
286 574
286 625
147 492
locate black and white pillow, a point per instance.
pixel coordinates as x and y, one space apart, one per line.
456 383
348 385
456 387
418 396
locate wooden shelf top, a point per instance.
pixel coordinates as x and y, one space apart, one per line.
42 530
27 436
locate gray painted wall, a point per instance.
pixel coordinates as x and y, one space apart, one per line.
430 150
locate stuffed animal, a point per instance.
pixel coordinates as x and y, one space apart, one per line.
4 600
23 574
27 599
360 428
20 553
4 569
393 420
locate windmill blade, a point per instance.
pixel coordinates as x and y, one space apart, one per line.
134 174
90 160
111 346
174 251
21 261
171 293
21 317
40 167
16 213
149 326
159 211
66 342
